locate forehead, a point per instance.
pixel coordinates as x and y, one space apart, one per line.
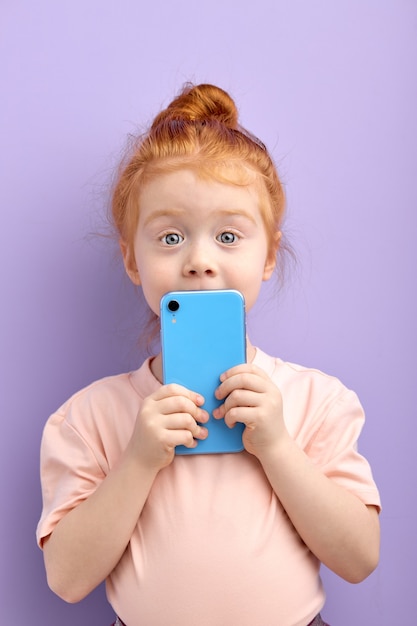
188 186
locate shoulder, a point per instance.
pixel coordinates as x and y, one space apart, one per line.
109 402
103 392
112 389
313 400
95 423
325 418
288 375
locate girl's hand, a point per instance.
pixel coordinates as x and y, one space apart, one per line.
254 400
168 418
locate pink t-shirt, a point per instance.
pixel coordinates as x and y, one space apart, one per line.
213 544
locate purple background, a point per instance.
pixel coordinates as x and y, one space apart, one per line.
331 89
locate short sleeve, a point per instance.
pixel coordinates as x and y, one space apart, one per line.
334 448
70 471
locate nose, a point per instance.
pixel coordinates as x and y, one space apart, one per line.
200 262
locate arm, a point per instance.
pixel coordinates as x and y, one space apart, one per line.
336 526
88 542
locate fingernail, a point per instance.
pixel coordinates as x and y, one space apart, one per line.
217 413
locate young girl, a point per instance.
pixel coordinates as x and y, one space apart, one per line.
207 540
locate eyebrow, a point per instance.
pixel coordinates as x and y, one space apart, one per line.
178 212
164 213
238 212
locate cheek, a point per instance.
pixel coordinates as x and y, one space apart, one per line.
152 297
156 281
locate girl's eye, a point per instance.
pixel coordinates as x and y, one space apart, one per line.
172 239
227 237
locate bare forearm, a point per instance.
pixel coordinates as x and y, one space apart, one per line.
337 527
89 541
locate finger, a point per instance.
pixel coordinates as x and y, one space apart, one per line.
176 438
181 404
186 437
237 398
241 398
184 422
243 368
243 415
241 380
175 390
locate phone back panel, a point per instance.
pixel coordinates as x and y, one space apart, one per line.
201 339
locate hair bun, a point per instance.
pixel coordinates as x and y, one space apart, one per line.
201 103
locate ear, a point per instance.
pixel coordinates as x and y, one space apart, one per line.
271 259
129 263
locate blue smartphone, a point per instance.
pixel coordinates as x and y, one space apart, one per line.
203 333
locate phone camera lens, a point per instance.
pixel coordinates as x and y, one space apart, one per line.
173 305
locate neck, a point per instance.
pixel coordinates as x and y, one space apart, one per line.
156 362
